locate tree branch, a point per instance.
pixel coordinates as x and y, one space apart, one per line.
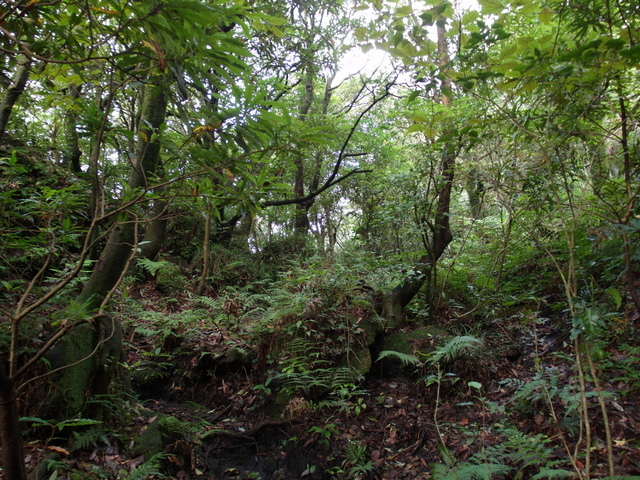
332 180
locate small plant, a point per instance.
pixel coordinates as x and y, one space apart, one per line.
325 433
405 358
54 427
152 468
357 462
517 456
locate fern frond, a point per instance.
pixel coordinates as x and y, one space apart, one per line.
84 439
468 471
208 302
152 266
151 467
405 358
461 346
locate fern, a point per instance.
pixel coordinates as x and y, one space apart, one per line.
467 471
519 455
147 470
551 473
208 302
457 347
90 437
405 358
152 266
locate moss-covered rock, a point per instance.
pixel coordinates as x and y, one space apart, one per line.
419 343
162 431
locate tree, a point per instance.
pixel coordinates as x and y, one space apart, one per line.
137 43
409 43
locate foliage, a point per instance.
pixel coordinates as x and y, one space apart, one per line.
406 359
518 454
543 208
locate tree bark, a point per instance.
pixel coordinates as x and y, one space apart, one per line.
206 252
301 221
156 227
12 453
116 253
71 152
475 190
86 356
14 91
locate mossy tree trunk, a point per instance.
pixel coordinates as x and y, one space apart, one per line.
156 227
88 354
438 234
14 91
117 252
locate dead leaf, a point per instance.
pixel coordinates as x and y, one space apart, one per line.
58 450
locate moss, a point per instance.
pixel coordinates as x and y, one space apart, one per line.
172 429
162 431
88 371
73 382
414 342
150 441
419 343
359 360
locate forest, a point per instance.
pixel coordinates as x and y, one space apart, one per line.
330 239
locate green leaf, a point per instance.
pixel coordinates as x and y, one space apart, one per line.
77 422
367 47
413 95
35 421
405 358
475 385
616 296
360 33
491 7
545 16
404 11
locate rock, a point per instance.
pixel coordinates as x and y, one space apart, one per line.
418 343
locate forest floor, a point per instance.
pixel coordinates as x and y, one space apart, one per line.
487 424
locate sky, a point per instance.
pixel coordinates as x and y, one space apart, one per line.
356 61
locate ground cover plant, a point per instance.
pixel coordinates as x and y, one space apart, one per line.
225 254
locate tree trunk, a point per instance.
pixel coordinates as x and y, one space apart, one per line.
156 227
88 354
117 251
439 230
475 190
206 252
14 91
71 152
12 453
301 221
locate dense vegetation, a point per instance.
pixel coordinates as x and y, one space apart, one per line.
223 257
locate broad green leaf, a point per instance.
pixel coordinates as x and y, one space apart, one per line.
413 95
616 296
545 15
360 33
404 11
491 7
